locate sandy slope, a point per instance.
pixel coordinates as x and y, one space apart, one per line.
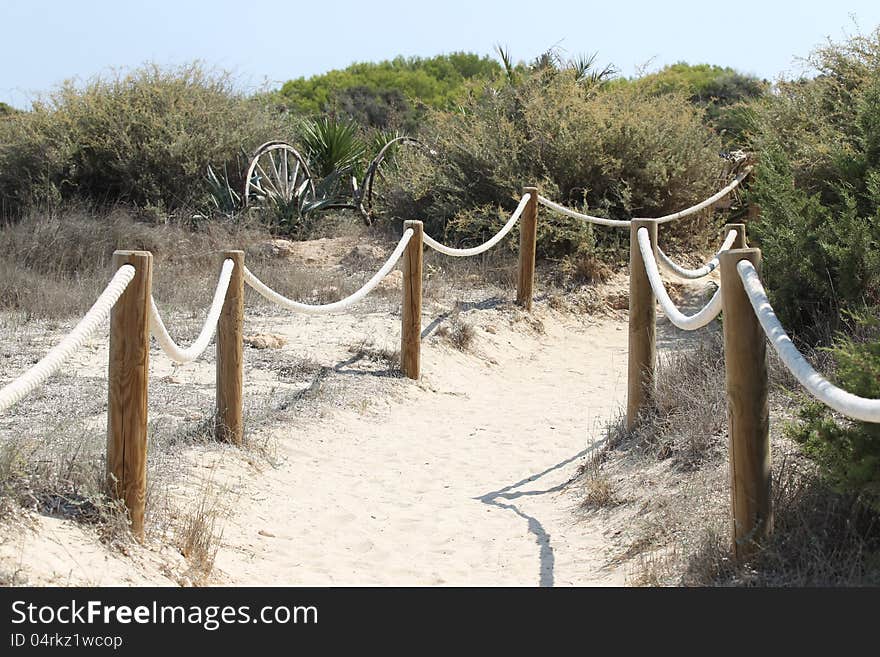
456 480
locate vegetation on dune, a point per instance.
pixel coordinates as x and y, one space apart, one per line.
613 150
848 451
145 138
387 94
720 90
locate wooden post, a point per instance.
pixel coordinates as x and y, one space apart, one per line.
528 239
127 388
229 426
642 326
411 328
740 241
745 362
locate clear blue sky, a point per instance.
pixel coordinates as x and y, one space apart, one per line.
43 42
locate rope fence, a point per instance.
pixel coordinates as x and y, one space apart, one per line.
699 272
686 322
749 322
488 244
845 403
33 378
337 306
197 348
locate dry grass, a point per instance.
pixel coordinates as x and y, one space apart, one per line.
599 493
198 533
457 332
674 524
583 268
366 350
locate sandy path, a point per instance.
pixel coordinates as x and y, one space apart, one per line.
456 480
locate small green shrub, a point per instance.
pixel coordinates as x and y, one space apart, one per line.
848 451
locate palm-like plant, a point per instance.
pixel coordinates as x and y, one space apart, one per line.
333 146
586 72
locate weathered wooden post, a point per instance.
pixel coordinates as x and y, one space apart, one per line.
528 239
745 362
411 328
230 360
740 241
642 326
127 388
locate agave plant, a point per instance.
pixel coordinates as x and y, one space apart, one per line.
333 146
223 197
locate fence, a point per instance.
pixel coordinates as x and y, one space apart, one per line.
134 317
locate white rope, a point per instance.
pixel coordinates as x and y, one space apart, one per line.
171 349
25 384
561 209
858 408
296 306
700 271
687 322
485 246
709 201
602 221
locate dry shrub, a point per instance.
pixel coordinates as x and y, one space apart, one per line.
598 493
197 535
367 350
584 267
689 418
458 332
144 138
820 538
615 151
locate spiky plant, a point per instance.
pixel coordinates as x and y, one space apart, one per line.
333 146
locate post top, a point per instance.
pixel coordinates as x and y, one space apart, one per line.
740 254
123 253
530 190
232 252
412 223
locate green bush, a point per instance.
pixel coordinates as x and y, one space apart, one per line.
387 94
612 150
848 451
818 186
145 138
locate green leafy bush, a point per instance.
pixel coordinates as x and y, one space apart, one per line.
848 451
387 94
818 186
145 138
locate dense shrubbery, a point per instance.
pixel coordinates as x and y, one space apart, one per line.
145 138
725 94
818 186
387 94
616 151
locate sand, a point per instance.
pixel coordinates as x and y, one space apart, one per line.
459 481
